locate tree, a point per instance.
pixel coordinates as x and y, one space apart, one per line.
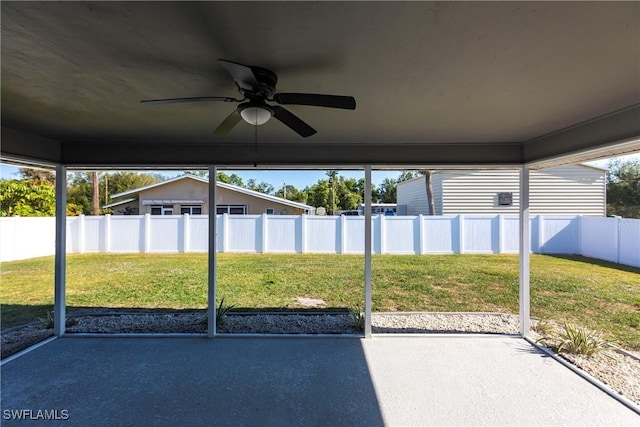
335 193
348 193
332 191
80 192
319 194
623 188
119 182
80 188
386 191
38 175
223 177
407 175
232 179
235 180
429 189
290 192
201 173
262 187
27 198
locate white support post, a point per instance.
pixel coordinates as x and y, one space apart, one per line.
59 297
225 232
81 236
383 234
618 221
579 243
303 233
147 233
264 233
540 233
525 244
212 258
343 233
367 252
107 233
421 235
461 234
500 233
185 233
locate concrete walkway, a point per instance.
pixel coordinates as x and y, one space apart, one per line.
191 381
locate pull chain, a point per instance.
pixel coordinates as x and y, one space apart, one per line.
255 143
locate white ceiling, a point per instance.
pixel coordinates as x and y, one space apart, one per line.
434 82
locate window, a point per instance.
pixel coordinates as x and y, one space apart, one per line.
161 209
269 211
231 209
505 199
191 210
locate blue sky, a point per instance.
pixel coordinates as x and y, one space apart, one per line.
303 178
297 178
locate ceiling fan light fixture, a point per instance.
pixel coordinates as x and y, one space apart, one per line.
255 114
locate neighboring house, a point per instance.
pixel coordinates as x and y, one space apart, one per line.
566 190
189 194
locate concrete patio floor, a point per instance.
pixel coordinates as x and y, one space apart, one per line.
421 380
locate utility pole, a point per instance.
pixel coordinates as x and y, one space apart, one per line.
106 188
284 189
332 174
96 194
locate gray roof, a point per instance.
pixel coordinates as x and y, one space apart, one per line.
219 184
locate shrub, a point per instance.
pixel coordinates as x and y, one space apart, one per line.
222 311
576 340
544 327
357 317
48 321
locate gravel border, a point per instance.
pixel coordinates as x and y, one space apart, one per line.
614 368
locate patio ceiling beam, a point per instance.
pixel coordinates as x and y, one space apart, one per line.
606 136
294 153
28 146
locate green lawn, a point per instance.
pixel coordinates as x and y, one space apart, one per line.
596 294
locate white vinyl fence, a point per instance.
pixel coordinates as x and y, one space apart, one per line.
611 239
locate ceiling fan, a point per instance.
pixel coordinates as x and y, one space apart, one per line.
257 85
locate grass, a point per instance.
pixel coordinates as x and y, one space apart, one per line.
595 294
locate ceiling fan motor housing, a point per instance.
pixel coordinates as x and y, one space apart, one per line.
267 80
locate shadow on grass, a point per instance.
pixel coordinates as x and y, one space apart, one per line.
598 262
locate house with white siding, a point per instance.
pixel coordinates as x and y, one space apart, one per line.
566 190
189 194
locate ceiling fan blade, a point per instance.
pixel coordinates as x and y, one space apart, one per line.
242 75
195 99
228 123
293 121
331 101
